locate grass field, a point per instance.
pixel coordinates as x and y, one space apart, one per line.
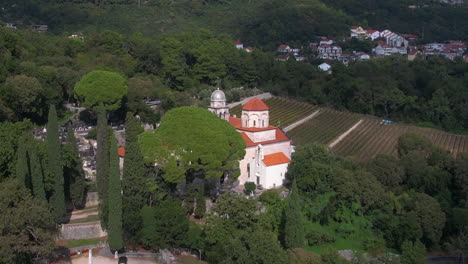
323 128
283 112
372 137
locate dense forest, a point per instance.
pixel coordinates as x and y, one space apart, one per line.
181 69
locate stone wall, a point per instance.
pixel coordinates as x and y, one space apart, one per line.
92 199
82 231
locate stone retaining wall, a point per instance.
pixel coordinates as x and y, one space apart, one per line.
82 231
92 199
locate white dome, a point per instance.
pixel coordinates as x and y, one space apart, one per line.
218 96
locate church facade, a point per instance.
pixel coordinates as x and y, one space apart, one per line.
268 148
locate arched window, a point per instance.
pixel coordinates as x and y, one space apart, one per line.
254 123
263 123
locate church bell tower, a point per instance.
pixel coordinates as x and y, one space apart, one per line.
218 104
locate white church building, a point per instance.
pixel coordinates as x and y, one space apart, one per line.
268 148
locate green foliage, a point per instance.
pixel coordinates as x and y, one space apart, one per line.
27 228
102 166
54 164
413 142
115 199
294 227
165 225
134 182
37 175
9 135
302 256
192 139
234 216
258 246
249 187
194 236
108 88
75 185
24 96
200 206
413 253
22 168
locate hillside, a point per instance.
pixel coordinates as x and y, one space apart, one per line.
368 138
260 23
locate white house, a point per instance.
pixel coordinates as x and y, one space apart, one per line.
238 44
394 39
284 48
325 41
357 32
362 56
372 34
248 49
325 67
329 52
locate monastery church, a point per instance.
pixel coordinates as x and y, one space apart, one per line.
268 148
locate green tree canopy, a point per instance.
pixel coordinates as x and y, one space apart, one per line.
165 225
108 88
27 227
191 139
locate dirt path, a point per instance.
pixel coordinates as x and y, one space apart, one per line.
344 134
301 121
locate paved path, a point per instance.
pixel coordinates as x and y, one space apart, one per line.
301 121
83 259
262 96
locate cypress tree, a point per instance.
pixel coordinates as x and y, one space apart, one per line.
75 177
134 188
294 228
37 177
57 198
22 170
102 165
115 199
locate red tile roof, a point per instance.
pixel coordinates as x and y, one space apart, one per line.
255 104
121 151
282 46
370 31
280 137
237 42
275 159
235 121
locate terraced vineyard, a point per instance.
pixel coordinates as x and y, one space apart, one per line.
323 128
283 112
372 137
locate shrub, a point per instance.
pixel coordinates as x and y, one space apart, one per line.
249 187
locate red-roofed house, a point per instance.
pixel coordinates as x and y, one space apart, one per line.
372 34
284 48
357 32
248 49
238 44
268 148
282 57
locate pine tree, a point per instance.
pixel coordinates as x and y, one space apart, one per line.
294 228
74 174
115 200
37 177
102 165
134 188
57 198
22 170
200 207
